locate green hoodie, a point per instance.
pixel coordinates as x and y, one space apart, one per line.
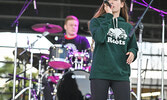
111 45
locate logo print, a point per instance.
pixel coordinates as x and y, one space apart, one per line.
71 46
117 36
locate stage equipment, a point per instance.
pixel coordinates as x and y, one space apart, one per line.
30 47
59 57
131 8
31 90
162 13
74 84
51 28
140 25
15 59
80 60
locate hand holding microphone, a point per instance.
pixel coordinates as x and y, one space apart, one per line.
107 3
107 6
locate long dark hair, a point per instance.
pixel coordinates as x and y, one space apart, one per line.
123 12
101 11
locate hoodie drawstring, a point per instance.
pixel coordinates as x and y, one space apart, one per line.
115 23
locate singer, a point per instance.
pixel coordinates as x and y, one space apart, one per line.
113 53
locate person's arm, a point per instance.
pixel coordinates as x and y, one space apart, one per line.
85 43
132 48
99 28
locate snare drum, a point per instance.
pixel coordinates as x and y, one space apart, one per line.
58 57
74 85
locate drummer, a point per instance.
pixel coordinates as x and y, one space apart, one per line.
78 44
71 38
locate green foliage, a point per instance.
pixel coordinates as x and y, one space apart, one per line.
6 69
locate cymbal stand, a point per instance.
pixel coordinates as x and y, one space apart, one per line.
31 60
41 70
39 78
31 46
24 82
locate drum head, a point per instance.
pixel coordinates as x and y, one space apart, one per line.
74 85
59 65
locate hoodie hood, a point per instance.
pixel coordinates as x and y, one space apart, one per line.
116 21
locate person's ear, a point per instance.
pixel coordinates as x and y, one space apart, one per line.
65 27
122 4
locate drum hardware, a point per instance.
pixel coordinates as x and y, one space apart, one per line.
80 61
19 77
33 92
39 85
110 94
40 28
41 70
88 68
42 57
49 82
44 78
23 55
87 96
76 62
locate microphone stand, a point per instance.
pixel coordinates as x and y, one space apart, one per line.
163 41
163 57
15 64
16 30
137 24
140 50
139 62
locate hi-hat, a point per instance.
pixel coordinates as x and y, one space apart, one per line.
51 28
22 54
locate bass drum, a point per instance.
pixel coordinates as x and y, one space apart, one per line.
74 85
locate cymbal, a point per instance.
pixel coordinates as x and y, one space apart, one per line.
51 28
23 54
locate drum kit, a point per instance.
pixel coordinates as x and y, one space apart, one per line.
61 71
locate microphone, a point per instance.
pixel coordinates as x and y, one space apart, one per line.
131 7
35 6
106 2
